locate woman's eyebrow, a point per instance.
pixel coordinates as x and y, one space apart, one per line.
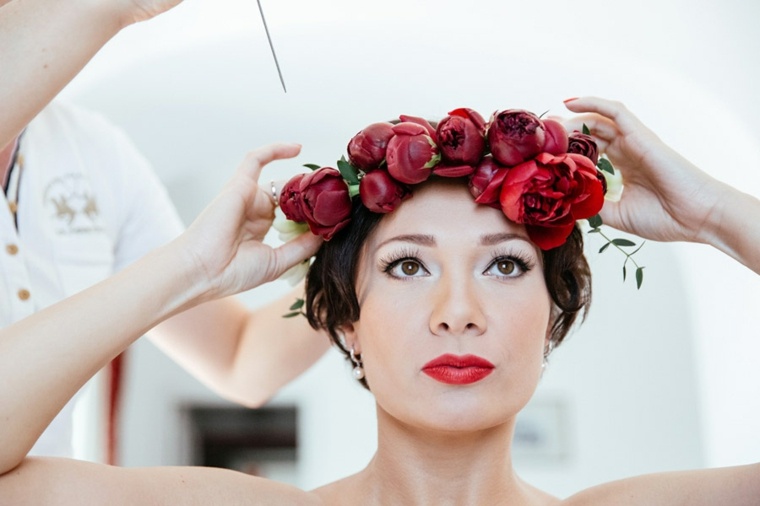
493 239
421 239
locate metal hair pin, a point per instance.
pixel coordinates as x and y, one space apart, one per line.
271 46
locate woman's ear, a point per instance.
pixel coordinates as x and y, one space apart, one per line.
350 338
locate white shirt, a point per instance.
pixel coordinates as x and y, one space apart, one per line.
88 205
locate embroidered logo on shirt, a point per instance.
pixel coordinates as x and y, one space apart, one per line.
72 206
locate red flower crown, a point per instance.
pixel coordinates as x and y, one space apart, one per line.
530 168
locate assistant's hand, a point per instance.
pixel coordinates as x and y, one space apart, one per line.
141 10
665 197
225 244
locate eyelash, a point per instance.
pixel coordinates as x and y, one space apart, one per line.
388 264
394 259
523 263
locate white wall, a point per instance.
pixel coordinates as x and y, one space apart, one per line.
662 378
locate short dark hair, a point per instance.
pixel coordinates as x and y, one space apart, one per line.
331 300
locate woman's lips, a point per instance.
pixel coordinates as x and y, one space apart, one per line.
458 369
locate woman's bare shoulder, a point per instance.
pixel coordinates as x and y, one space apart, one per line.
42 481
737 486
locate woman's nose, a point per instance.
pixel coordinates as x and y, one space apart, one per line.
456 307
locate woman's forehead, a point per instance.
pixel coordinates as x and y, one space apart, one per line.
445 209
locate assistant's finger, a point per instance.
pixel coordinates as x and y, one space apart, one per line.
611 109
600 127
258 158
295 251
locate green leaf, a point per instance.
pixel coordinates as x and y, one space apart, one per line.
311 166
291 315
606 166
605 247
623 242
594 231
586 130
624 272
595 221
348 171
298 304
639 277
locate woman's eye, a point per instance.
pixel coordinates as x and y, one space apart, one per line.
506 267
406 268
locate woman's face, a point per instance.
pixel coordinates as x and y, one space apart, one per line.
454 312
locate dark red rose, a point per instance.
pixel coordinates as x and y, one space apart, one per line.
515 136
366 150
323 200
380 193
411 153
556 137
290 199
549 193
461 137
585 145
485 182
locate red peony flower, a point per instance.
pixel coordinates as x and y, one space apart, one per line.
556 137
411 153
422 122
585 145
366 150
549 193
321 200
380 193
515 136
445 170
485 182
290 199
461 137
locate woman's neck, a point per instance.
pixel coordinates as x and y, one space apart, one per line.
416 466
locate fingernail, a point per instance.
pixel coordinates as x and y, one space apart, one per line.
569 99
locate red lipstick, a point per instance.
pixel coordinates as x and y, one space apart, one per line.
458 369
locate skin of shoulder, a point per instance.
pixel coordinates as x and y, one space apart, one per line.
71 482
737 486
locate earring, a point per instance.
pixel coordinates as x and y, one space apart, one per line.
358 371
547 351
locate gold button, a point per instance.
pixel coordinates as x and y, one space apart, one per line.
13 207
12 249
24 294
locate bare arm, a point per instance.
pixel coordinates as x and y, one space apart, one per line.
58 349
666 197
40 482
737 486
41 54
245 356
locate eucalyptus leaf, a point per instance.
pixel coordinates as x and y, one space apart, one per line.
595 221
639 277
312 166
624 272
623 242
606 166
348 171
586 130
605 247
298 304
291 315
